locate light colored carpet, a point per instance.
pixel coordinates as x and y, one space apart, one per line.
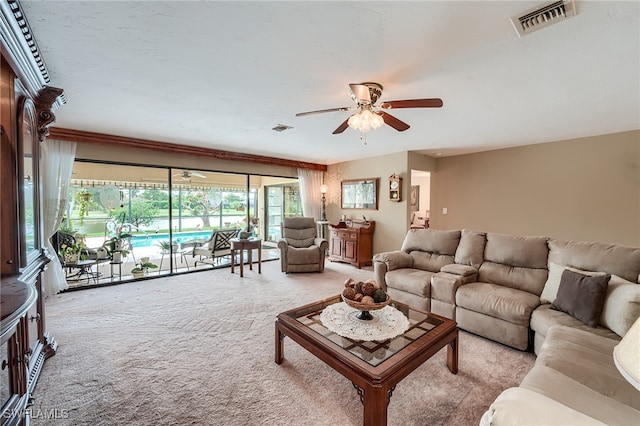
198 349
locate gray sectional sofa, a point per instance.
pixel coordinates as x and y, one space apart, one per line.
521 291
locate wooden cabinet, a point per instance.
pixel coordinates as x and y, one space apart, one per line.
18 299
26 112
352 242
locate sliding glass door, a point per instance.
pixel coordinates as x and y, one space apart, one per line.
158 215
282 200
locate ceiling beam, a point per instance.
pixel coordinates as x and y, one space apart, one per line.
173 148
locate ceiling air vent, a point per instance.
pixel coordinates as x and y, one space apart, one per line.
281 128
535 19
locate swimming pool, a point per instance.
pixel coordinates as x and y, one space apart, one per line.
151 240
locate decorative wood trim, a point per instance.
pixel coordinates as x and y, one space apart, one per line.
22 50
45 101
80 136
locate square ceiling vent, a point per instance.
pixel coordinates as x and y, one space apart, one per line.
541 17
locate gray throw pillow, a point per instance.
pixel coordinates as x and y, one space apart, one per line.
582 296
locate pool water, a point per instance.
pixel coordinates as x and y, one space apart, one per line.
151 240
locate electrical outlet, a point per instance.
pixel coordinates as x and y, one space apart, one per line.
445 210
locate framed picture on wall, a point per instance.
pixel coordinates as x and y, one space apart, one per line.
414 198
360 194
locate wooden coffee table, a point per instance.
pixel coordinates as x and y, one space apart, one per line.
374 368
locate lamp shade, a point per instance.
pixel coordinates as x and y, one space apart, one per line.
323 189
365 120
626 355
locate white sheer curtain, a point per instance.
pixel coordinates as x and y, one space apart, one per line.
56 166
309 182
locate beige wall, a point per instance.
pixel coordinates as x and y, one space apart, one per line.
391 217
584 189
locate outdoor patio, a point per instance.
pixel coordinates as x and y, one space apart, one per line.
104 272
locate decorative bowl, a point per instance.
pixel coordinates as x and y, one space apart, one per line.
365 307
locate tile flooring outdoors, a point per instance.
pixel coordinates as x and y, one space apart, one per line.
103 272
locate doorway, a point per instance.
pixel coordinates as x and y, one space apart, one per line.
420 199
281 200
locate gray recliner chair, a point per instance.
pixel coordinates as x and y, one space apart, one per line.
300 248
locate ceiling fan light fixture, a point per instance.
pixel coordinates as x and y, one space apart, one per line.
365 120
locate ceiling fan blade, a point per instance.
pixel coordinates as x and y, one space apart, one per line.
361 92
198 175
320 111
341 128
389 119
413 103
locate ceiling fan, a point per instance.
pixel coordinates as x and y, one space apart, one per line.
370 115
186 175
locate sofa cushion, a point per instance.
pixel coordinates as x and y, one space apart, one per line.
587 359
411 280
525 279
302 255
582 296
470 251
525 252
543 318
615 259
428 261
524 407
516 262
431 240
575 395
621 306
299 231
550 290
497 301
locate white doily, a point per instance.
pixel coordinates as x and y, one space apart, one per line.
387 322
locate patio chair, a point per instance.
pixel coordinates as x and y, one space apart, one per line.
78 269
217 246
300 248
62 238
173 250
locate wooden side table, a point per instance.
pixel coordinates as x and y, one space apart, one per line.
249 245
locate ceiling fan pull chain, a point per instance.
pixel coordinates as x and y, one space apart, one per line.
363 138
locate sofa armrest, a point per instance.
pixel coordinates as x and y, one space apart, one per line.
384 262
468 272
394 259
320 242
521 406
444 285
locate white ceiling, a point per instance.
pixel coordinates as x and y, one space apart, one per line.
222 74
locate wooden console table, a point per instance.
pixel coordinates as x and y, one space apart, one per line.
352 242
249 245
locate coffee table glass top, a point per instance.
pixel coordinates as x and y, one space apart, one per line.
372 352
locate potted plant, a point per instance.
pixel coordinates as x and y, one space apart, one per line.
84 198
142 267
71 252
165 246
114 246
